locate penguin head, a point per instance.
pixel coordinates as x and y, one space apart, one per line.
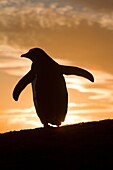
34 54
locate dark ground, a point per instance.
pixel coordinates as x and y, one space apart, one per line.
85 145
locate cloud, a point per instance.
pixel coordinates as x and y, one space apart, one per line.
23 111
30 15
97 4
19 119
102 88
10 61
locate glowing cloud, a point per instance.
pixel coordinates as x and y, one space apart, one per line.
51 14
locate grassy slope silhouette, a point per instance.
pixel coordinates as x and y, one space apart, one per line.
85 145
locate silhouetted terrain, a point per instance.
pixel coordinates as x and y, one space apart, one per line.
85 145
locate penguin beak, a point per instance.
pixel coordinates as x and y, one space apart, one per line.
24 55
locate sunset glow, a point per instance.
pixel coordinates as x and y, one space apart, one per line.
77 33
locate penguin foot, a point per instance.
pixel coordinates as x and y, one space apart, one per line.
46 125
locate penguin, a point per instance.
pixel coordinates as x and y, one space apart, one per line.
48 85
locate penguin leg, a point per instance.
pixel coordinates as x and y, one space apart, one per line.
46 126
70 70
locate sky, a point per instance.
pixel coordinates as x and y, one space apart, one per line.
73 32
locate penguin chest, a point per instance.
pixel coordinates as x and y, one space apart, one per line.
34 85
50 95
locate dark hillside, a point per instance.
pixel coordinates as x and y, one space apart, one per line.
85 145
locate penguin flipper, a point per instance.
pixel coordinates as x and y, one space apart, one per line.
28 78
70 70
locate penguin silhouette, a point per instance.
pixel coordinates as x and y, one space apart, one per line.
49 87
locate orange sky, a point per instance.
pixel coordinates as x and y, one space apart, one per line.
78 33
